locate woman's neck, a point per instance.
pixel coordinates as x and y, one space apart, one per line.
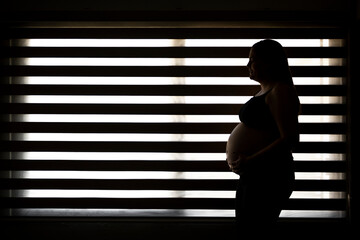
266 86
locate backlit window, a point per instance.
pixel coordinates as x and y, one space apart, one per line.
137 127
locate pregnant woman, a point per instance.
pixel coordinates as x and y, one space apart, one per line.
259 148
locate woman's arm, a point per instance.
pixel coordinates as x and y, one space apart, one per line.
284 105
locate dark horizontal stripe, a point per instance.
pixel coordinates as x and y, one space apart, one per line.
323 109
202 109
165 52
162 90
179 166
320 166
157 184
185 109
208 18
316 204
162 71
326 20
109 203
152 90
320 185
322 128
182 128
160 203
138 71
106 184
175 33
193 147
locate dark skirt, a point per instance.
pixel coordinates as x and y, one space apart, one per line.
264 189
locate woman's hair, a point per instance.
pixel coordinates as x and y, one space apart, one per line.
273 54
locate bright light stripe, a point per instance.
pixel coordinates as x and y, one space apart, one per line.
123 175
138 99
250 42
156 156
166 61
322 137
120 137
98 42
318 81
124 118
45 193
319 157
142 118
172 42
312 214
322 99
321 119
153 137
159 175
141 99
164 81
318 195
319 176
119 156
51 212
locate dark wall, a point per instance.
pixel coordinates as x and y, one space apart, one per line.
243 5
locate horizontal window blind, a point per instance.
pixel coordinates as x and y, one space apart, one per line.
126 121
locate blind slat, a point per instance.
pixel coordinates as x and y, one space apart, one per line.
166 52
160 203
180 128
191 147
155 184
163 90
163 71
199 166
177 33
105 184
182 109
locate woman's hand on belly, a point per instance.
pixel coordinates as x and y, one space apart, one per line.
238 165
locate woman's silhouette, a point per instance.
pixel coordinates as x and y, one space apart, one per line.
259 148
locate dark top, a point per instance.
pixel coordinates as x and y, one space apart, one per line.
278 162
256 114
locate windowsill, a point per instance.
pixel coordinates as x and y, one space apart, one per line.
342 221
162 228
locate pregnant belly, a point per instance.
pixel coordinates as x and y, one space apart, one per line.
246 141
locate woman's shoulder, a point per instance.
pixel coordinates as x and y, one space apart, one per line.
283 87
283 90
284 93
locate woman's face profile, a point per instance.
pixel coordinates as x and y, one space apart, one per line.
253 66
259 68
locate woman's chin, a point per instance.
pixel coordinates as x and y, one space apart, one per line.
251 76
